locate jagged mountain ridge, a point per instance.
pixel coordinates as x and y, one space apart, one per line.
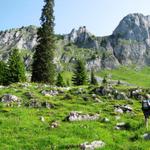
129 44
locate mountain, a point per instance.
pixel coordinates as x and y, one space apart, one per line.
131 40
129 44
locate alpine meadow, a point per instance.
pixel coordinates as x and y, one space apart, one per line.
77 90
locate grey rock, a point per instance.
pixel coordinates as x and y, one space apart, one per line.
121 96
29 95
78 116
47 105
120 126
123 109
133 40
105 120
34 104
146 136
42 118
8 98
50 93
92 146
118 110
54 124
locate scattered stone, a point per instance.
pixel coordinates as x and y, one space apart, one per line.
103 90
29 95
54 124
47 105
118 110
146 136
8 98
94 96
111 93
78 116
137 94
24 85
50 93
123 109
97 100
121 126
92 146
121 96
42 118
105 120
35 104
127 108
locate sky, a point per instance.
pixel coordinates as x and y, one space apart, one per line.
100 17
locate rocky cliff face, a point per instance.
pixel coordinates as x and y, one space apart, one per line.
131 40
23 38
128 44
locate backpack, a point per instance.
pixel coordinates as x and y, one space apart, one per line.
146 104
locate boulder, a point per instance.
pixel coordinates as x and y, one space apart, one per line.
123 109
121 126
121 96
29 95
54 124
50 93
78 116
47 105
35 104
42 118
146 136
126 108
105 120
8 98
92 146
118 110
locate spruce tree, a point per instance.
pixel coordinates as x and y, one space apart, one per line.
3 71
93 79
79 76
16 68
60 81
43 68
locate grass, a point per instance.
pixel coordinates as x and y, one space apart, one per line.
22 129
137 77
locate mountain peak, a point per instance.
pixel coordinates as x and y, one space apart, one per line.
79 35
134 27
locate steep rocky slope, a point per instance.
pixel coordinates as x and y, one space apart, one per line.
129 44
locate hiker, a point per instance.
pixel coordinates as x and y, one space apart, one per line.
146 110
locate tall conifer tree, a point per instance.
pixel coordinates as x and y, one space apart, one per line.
93 78
43 68
16 68
79 76
3 75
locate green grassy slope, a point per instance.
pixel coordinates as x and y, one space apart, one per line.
138 77
22 129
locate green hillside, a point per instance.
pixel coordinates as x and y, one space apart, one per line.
22 127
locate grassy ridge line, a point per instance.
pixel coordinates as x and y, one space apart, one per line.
134 76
